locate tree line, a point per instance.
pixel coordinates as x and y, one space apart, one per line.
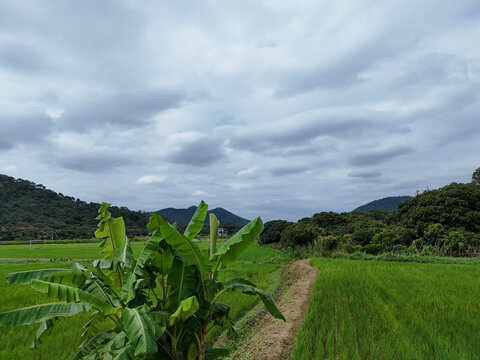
444 221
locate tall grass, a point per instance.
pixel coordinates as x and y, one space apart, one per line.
392 310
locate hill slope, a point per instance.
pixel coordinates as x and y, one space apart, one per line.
30 211
388 203
182 216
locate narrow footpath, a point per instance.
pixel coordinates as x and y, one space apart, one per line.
273 339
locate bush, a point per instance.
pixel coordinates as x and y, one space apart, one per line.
299 234
273 231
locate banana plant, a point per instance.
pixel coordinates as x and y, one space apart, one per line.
160 305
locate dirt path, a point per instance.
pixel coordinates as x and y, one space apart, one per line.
274 339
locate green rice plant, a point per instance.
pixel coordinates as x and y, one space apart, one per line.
391 310
160 304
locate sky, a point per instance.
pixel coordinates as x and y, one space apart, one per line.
271 108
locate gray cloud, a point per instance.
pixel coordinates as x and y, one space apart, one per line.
379 156
123 109
195 149
95 163
365 174
289 169
21 58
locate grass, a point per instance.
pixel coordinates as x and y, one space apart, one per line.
65 337
391 310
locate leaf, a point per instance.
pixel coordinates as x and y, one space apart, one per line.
44 329
188 250
112 231
184 281
71 294
197 221
140 330
26 277
214 223
39 313
128 290
150 250
125 354
238 243
187 308
247 287
126 254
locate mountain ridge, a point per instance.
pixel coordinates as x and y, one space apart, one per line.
183 215
389 203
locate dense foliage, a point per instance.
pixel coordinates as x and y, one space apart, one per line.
272 231
441 222
32 211
160 305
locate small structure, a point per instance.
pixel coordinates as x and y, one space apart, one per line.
37 244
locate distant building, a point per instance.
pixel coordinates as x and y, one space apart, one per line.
222 231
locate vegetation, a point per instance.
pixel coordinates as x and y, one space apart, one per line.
442 222
16 341
162 304
390 310
272 231
32 211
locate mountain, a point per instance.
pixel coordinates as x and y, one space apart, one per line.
182 216
388 203
31 211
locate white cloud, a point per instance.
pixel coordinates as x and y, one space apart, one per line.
151 179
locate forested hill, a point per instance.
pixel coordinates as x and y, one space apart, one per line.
388 203
182 216
29 210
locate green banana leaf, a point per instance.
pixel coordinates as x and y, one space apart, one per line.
39 313
26 277
247 287
70 294
140 330
196 222
187 308
126 254
238 243
43 330
187 249
184 282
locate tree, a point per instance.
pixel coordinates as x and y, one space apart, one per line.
476 177
159 305
273 231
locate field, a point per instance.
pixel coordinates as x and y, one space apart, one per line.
390 310
65 336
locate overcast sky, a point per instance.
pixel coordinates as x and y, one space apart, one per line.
271 108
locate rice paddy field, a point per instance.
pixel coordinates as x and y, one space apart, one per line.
391 310
65 337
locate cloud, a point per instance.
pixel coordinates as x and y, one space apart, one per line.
379 156
21 58
92 163
151 179
125 109
365 174
274 109
193 148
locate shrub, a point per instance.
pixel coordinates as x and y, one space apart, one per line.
272 231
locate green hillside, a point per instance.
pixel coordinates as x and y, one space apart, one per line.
182 216
388 203
30 211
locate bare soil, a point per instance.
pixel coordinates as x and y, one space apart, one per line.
273 339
